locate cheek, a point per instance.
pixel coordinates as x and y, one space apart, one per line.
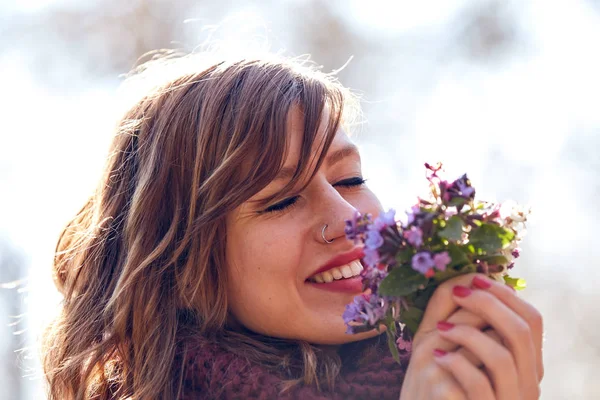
263 269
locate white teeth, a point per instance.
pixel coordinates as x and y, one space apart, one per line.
327 276
356 267
337 274
346 271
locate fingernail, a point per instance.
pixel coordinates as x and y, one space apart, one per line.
439 352
461 291
444 326
481 283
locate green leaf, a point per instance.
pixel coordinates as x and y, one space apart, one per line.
457 201
490 237
404 256
421 298
467 269
393 346
516 283
401 281
458 254
495 260
453 230
449 273
412 318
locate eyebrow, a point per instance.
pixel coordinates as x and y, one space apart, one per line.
333 158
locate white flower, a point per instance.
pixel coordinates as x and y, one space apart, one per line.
513 211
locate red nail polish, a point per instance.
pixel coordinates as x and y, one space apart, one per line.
444 326
481 283
439 352
461 291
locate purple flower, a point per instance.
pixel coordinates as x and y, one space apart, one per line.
365 309
422 262
357 226
414 236
516 253
387 218
372 277
441 260
464 186
412 214
374 240
352 313
371 257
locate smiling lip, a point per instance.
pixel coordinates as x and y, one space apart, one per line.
341 259
346 285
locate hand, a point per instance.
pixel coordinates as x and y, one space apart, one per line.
455 375
514 369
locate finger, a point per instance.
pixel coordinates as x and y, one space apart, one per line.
473 358
513 329
497 359
442 304
473 381
526 311
463 317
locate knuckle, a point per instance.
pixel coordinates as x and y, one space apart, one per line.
521 330
536 320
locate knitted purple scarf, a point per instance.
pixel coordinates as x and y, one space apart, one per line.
212 373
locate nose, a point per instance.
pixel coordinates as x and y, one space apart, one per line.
333 212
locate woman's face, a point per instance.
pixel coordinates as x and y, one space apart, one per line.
273 251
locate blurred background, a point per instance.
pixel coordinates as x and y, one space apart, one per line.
505 90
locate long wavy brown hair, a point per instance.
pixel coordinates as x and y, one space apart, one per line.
142 264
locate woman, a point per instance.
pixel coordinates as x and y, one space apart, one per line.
193 271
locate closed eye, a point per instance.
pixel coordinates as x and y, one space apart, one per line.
282 205
351 182
290 202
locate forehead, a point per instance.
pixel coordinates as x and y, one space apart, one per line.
295 128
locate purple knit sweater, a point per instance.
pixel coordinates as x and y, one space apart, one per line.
212 373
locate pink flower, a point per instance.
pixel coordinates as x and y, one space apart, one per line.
405 345
441 260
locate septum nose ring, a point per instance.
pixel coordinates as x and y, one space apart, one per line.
323 235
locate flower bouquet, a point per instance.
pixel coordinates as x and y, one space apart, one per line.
445 235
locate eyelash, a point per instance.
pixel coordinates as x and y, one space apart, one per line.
289 203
